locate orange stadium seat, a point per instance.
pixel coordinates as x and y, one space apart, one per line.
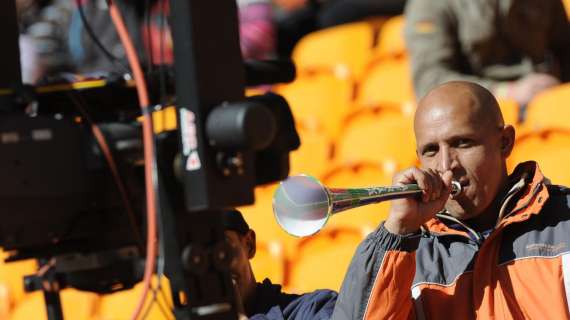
322 260
510 111
121 305
314 155
319 100
254 91
345 50
567 7
387 82
550 148
365 174
550 109
260 218
12 280
377 135
5 301
390 42
76 305
269 262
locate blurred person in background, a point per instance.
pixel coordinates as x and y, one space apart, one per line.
265 300
514 48
297 18
40 50
62 42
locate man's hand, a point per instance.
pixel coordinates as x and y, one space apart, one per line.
407 215
524 89
239 302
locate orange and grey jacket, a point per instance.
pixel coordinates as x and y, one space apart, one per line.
521 270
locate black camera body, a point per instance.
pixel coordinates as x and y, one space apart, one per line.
60 202
57 193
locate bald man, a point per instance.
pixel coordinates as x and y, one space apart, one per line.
498 250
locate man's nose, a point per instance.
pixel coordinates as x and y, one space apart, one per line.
447 160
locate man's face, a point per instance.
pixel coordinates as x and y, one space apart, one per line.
243 249
452 138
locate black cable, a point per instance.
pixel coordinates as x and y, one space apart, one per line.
163 294
148 35
82 108
95 39
158 303
160 257
162 73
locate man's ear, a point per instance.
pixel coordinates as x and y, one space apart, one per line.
250 243
507 140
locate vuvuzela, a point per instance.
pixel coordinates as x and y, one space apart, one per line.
302 205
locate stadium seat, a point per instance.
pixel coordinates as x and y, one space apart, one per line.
550 148
377 135
387 82
510 111
319 100
567 7
321 261
12 279
260 218
5 301
254 91
314 155
390 42
269 262
344 50
76 305
121 305
364 174
550 109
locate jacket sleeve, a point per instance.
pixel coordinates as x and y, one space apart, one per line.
433 45
317 305
379 279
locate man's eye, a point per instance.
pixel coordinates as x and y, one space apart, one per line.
429 153
464 143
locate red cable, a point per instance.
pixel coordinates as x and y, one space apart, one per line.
148 151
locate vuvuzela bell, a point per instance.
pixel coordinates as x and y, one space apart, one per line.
302 205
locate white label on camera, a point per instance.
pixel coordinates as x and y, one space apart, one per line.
188 130
189 140
42 135
193 161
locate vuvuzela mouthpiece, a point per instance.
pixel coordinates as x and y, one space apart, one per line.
456 188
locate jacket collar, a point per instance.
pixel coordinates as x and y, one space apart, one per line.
526 196
530 198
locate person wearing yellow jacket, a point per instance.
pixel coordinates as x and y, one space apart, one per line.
498 250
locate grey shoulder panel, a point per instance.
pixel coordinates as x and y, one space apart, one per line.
544 235
442 259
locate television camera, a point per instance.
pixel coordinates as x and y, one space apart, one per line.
72 191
